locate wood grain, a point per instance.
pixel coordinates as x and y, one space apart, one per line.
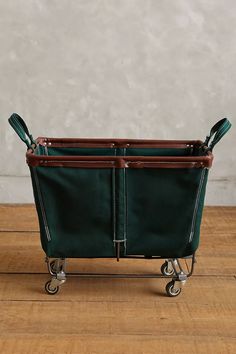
132 318
116 344
18 218
197 290
116 315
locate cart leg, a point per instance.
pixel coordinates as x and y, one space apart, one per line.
57 270
174 287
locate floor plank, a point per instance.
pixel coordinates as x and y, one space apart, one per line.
31 260
217 245
132 318
22 252
198 290
18 217
116 344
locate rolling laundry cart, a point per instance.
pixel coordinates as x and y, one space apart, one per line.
119 198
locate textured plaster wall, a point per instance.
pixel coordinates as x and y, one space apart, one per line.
161 69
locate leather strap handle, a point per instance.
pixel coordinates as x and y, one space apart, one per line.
217 132
21 129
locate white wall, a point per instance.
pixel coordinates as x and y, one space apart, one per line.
162 69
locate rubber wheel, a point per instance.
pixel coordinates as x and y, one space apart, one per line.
170 289
49 290
164 269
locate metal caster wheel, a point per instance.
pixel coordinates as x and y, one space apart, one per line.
165 270
49 289
171 290
54 267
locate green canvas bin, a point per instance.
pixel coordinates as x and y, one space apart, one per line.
119 198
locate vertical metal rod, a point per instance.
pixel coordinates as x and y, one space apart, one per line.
118 251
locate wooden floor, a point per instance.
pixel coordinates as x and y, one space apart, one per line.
116 315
